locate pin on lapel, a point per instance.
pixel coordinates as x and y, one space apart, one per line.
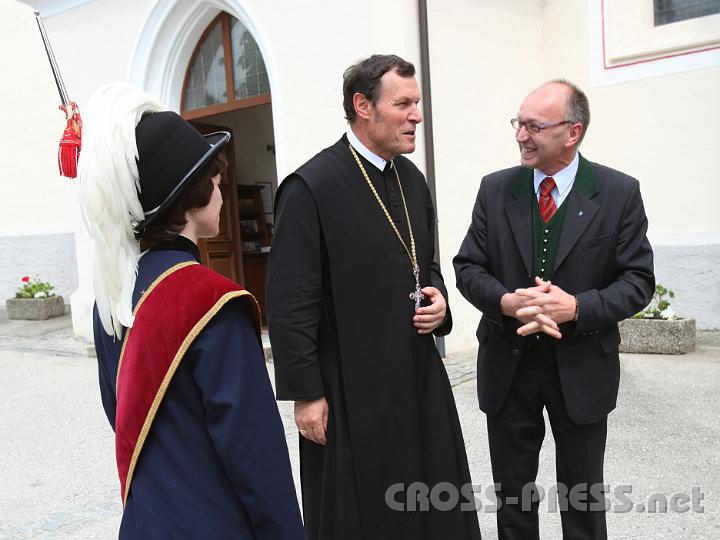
580 213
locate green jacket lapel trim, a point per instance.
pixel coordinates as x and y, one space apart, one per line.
584 180
524 185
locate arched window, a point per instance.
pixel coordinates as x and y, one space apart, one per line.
226 57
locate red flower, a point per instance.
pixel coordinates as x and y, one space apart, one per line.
25 279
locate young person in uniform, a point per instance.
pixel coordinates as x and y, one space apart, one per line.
200 445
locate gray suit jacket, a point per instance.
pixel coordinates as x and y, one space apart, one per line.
603 257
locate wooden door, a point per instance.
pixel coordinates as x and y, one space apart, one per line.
223 253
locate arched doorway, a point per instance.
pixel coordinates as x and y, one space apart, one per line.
226 87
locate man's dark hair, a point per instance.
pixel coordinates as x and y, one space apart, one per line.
578 106
167 226
364 77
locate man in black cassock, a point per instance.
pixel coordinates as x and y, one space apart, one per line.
354 298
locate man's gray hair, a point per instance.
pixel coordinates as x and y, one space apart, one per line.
578 106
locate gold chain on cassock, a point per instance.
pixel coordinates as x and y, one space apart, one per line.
417 296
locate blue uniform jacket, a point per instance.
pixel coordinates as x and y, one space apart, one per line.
215 464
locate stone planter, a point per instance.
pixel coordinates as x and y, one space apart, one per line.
35 309
659 336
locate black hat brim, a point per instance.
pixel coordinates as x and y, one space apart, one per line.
217 141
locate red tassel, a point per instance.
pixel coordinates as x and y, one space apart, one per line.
71 142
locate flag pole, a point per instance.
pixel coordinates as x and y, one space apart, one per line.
53 62
70 143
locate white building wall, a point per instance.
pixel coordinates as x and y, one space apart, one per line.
310 44
484 56
39 201
306 47
659 121
39 208
663 129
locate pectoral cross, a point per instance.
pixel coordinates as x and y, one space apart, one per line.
417 296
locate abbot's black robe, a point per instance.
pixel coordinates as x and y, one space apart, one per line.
341 327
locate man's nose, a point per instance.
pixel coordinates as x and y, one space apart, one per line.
415 115
522 134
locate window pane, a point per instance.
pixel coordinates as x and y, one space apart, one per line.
670 11
206 84
250 75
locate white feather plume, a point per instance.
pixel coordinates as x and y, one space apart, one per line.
109 185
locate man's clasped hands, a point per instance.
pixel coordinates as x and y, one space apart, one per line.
541 308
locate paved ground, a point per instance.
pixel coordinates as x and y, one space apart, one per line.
58 478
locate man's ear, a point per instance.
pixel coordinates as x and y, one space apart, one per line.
576 131
362 105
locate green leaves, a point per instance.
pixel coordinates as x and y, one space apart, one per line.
34 289
659 307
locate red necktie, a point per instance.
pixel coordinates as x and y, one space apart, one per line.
546 201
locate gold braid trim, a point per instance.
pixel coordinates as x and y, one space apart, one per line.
144 296
199 326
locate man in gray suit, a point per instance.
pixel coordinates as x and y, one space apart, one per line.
555 256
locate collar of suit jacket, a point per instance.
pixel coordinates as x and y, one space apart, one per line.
584 181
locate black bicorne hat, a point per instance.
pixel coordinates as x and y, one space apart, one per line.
171 152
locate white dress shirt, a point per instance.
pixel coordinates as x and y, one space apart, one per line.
564 180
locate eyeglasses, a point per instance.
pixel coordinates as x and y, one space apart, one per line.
534 127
